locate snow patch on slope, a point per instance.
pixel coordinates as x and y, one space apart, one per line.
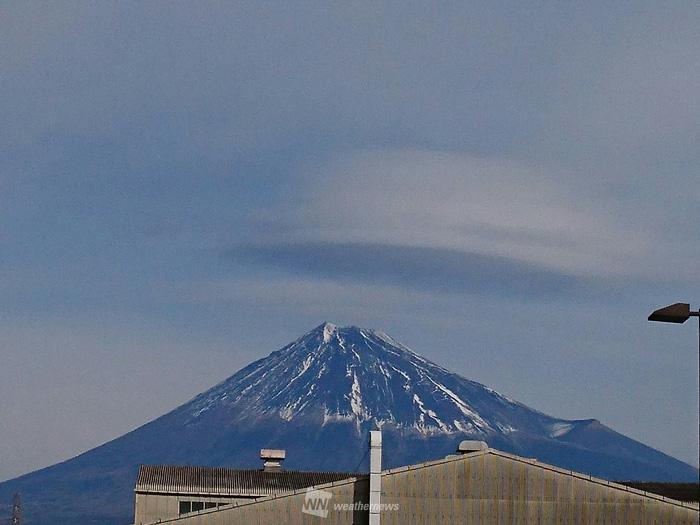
463 407
356 397
560 429
422 426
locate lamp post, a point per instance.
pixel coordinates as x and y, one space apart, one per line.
677 313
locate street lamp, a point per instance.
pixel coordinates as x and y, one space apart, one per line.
676 313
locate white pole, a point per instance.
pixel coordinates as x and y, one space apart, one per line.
375 475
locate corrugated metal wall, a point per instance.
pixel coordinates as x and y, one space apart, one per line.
288 510
483 488
494 489
151 508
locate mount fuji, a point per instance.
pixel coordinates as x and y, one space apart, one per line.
318 398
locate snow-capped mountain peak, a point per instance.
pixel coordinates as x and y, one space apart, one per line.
364 377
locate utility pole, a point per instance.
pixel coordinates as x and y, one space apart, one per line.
16 518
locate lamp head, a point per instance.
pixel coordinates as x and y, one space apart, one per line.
675 313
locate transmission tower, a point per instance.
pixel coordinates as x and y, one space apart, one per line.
16 518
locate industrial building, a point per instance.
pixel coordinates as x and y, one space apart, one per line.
165 491
480 486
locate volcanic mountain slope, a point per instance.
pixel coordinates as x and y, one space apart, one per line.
318 397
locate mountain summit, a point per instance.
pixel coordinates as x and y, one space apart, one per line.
364 377
318 397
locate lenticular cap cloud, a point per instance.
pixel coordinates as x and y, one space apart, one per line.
422 268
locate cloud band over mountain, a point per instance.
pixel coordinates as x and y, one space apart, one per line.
423 268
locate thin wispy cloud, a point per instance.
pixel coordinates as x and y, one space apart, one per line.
449 200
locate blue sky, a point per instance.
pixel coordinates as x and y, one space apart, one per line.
508 189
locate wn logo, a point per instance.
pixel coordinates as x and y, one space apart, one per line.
316 502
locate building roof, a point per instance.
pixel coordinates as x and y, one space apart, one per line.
228 482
